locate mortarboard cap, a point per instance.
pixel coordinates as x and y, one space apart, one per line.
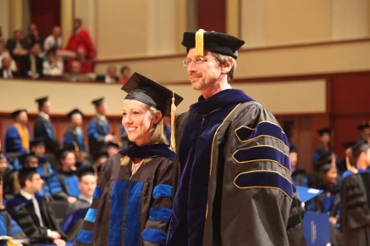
151 93
363 125
306 194
17 112
322 161
74 111
322 131
100 154
62 153
36 142
85 171
359 147
98 101
216 42
349 144
114 144
41 101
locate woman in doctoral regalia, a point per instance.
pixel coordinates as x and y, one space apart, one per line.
133 200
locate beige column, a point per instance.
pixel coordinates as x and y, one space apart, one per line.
66 8
233 17
15 15
181 9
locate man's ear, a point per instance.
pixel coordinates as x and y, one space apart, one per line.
225 68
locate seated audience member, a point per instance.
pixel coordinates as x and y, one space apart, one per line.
16 46
31 65
67 176
75 74
53 66
125 74
110 76
299 176
87 182
18 135
33 37
4 53
32 212
53 41
6 70
85 65
81 38
113 148
52 187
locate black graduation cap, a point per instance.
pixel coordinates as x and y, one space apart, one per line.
41 101
326 130
99 155
151 93
114 144
63 152
359 147
85 171
323 160
25 158
74 111
348 144
363 125
217 42
17 112
98 101
36 142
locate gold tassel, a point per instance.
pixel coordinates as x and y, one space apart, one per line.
173 115
199 42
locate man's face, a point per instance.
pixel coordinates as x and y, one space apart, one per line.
36 183
76 25
46 107
206 74
35 50
22 118
76 119
18 35
39 150
87 185
3 165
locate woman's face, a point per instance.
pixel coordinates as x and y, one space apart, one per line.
138 121
331 176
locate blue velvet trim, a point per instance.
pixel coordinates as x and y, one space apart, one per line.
91 215
116 213
85 236
3 228
243 133
262 153
133 208
263 128
54 184
72 184
15 228
162 190
264 179
154 236
97 192
156 213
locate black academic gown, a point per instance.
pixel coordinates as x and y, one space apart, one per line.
44 129
355 215
22 211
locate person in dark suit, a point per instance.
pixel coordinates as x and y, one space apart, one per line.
32 212
98 132
6 71
43 126
31 65
16 45
110 76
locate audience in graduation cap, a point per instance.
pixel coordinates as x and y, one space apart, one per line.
299 175
364 130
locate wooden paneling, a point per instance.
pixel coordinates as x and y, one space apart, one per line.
45 14
212 15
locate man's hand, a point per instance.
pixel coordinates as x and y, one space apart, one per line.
54 235
59 242
71 199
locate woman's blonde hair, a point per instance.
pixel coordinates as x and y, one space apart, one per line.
158 137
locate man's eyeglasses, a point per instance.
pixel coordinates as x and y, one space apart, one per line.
197 61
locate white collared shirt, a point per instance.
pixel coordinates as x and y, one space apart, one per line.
44 115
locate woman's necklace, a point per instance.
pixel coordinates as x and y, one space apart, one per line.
136 166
